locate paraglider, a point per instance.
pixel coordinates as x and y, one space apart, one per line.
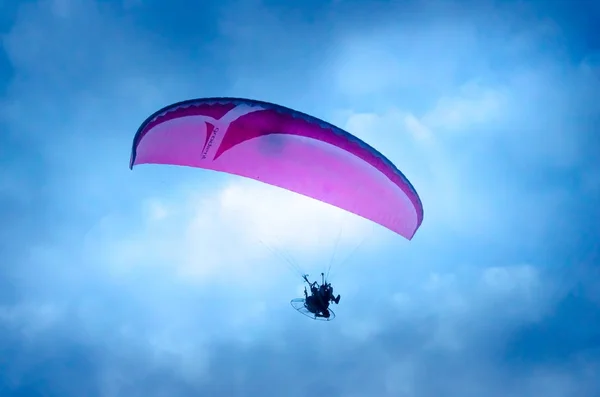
284 148
317 302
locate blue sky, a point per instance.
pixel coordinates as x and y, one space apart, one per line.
155 282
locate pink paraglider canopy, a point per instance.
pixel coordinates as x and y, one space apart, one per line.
284 148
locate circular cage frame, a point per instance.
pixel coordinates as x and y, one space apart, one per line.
299 304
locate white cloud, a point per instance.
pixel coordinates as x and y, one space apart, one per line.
189 356
591 180
31 319
400 379
62 8
510 291
365 68
472 301
14 184
506 280
551 383
474 104
418 58
362 328
203 235
293 221
517 292
431 167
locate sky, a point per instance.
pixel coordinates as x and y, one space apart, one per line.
168 281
